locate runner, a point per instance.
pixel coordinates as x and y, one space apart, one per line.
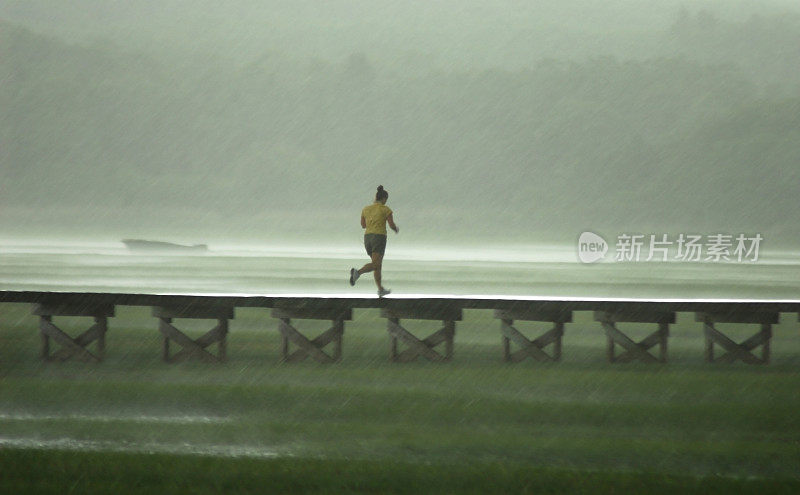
374 218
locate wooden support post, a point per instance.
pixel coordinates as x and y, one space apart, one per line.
306 347
222 344
734 351
425 347
101 321
73 347
165 343
194 348
532 348
45 351
635 350
337 343
394 351
449 330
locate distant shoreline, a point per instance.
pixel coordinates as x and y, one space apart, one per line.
142 245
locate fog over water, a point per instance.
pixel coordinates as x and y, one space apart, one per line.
501 130
517 271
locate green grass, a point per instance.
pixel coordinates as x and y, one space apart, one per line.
474 424
66 472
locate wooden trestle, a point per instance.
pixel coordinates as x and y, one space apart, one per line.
438 346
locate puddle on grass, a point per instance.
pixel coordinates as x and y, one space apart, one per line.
180 448
122 418
71 444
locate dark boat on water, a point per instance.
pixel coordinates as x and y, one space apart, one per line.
145 246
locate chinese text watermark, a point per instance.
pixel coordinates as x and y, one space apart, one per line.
715 248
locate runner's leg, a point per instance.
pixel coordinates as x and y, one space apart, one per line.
366 268
377 261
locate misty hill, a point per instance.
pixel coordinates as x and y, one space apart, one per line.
458 34
100 137
453 33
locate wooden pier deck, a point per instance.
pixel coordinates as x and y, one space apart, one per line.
447 309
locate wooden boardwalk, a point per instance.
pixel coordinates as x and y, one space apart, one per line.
286 308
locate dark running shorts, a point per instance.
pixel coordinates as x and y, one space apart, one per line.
375 243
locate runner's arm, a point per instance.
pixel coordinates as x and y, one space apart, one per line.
363 222
394 227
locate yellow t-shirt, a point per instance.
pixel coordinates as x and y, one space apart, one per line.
375 216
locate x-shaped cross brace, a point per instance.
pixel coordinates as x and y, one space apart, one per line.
532 348
635 350
313 348
424 347
734 351
421 347
73 347
193 348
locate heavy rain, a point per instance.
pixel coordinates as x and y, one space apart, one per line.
591 275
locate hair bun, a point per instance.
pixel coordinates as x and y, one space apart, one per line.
380 188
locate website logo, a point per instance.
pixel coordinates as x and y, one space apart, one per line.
591 247
711 248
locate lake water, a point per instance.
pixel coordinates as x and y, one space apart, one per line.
519 270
